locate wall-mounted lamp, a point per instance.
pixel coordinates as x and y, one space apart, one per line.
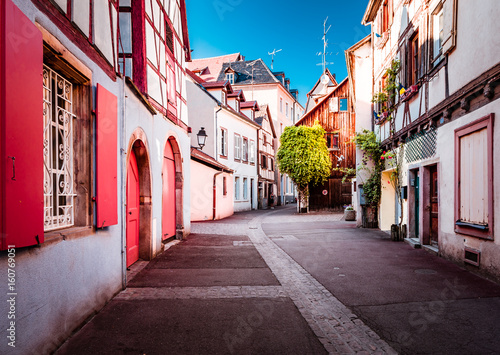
202 137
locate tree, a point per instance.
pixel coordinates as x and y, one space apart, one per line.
303 156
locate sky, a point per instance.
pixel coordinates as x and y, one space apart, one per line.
256 27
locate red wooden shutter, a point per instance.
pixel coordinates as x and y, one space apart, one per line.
21 132
106 158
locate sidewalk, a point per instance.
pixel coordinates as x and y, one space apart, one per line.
311 284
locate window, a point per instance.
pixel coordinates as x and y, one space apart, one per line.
286 109
252 152
125 50
223 142
271 164
237 147
58 153
474 178
224 186
230 77
245 188
437 33
343 105
237 105
265 137
252 115
236 188
332 140
385 16
413 60
281 105
264 162
245 149
223 98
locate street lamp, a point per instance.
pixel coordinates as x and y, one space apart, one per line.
202 137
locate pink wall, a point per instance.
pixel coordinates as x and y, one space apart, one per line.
202 193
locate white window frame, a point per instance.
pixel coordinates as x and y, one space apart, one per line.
437 28
237 146
230 77
245 188
286 109
223 143
281 105
244 155
252 151
236 188
223 98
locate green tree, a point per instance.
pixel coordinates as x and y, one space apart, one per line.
303 156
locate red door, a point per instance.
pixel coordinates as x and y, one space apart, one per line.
434 215
132 210
168 208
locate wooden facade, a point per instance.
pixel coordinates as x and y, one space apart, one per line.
336 115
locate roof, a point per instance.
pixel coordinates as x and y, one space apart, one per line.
212 66
330 75
238 93
218 84
261 115
246 69
371 11
249 104
195 77
323 99
207 160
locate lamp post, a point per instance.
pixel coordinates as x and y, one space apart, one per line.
202 137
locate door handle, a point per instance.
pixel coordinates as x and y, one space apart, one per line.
130 213
13 168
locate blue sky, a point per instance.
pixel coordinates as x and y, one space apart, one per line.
256 27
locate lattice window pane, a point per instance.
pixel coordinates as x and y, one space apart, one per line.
58 151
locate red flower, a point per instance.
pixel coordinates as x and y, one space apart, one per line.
381 158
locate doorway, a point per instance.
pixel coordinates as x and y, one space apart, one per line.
433 207
416 186
168 194
132 210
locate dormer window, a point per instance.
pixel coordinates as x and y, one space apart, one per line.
237 105
230 75
251 115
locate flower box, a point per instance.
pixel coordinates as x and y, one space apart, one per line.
412 90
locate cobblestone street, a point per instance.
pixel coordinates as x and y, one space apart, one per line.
233 286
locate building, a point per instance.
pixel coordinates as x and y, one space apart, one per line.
273 90
266 158
335 113
213 196
93 179
231 134
325 84
359 67
443 118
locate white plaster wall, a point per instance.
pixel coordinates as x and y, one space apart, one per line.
60 283
81 15
234 124
478 43
452 244
158 129
102 29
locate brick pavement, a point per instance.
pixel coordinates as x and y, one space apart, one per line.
339 330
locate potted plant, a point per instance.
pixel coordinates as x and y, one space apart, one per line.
349 213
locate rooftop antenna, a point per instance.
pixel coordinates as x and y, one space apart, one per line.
272 54
324 63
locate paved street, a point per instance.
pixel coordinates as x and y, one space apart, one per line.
274 282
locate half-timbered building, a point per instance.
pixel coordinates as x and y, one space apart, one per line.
93 138
335 113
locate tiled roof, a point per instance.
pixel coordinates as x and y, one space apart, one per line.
195 77
217 84
243 69
249 104
238 93
213 65
198 155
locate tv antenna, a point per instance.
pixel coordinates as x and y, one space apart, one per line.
324 63
272 54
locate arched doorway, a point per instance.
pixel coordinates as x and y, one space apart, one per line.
133 204
168 193
139 209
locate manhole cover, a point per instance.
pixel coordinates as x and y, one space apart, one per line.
425 271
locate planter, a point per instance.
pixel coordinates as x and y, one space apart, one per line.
350 215
412 90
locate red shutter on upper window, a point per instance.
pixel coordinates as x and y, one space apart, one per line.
106 158
21 132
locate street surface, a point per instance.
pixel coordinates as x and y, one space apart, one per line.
274 282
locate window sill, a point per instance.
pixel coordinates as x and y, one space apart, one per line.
70 233
223 156
474 230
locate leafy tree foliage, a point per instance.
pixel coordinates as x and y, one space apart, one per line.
303 155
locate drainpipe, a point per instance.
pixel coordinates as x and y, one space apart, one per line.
215 193
123 161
